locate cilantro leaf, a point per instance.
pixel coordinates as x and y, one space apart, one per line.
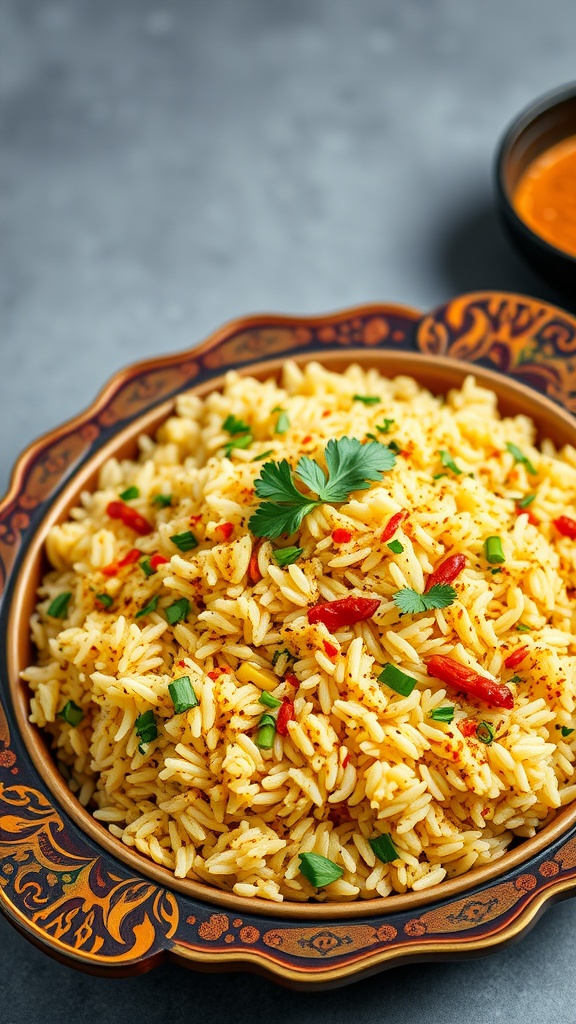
244 441
311 474
271 520
384 427
233 426
351 464
276 482
448 462
519 456
410 602
367 399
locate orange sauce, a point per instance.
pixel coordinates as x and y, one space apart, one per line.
545 198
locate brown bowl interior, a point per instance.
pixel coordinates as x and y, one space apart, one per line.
436 373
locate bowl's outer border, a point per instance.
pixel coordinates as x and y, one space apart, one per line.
84 906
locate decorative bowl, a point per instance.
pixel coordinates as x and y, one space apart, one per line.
79 893
549 120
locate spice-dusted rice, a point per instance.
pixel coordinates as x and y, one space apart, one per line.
358 759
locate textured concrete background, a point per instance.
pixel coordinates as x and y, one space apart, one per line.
167 166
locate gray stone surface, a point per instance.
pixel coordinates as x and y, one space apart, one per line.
167 166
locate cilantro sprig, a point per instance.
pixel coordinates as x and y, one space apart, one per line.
350 464
410 602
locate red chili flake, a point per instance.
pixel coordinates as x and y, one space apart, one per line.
216 672
447 571
129 559
307 439
326 412
331 651
291 679
130 517
285 715
345 612
194 520
226 529
527 512
468 727
254 573
566 526
346 760
157 560
514 659
392 525
341 536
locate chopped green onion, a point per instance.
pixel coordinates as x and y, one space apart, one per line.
523 628
526 501
373 438
493 550
286 556
266 732
71 713
519 456
319 870
183 695
384 848
397 680
515 679
178 611
146 728
438 476
146 567
396 547
104 599
394 447
263 455
385 427
238 442
367 399
268 700
566 731
485 733
164 500
442 714
150 607
232 425
278 654
58 609
185 541
495 571
282 423
130 493
448 462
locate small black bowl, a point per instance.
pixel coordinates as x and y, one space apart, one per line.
546 122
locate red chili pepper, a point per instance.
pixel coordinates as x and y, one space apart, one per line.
447 571
341 536
392 525
226 529
157 560
470 682
346 760
345 612
285 715
291 679
517 656
527 512
566 526
307 439
468 727
113 567
254 573
130 517
331 651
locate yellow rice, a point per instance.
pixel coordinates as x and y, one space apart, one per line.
359 760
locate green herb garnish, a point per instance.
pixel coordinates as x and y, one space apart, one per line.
515 679
350 466
185 541
71 713
442 714
263 455
448 462
523 628
410 602
183 695
495 571
266 732
493 550
278 654
397 680
319 870
130 493
58 608
485 733
146 567
286 556
394 447
150 607
146 729
519 456
164 500
396 547
282 423
104 599
384 427
526 501
178 611
234 426
566 731
238 442
367 399
268 700
384 848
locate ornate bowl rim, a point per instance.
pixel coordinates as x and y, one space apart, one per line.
485 328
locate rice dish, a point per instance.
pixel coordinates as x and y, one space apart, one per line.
389 686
